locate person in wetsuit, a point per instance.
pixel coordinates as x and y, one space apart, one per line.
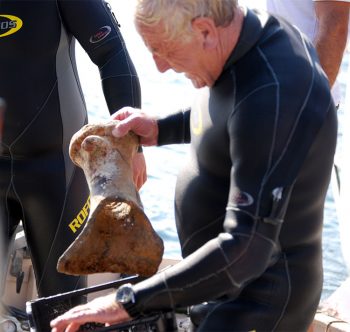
249 201
39 184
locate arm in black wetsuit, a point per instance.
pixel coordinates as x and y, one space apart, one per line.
96 29
170 134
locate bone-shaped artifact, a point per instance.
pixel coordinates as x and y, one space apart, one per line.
117 237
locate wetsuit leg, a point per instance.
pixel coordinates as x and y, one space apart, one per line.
54 214
10 216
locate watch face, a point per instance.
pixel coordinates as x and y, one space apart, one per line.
125 294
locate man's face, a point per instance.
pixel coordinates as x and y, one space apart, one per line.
189 58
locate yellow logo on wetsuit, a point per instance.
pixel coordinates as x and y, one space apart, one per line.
200 105
197 123
9 24
81 217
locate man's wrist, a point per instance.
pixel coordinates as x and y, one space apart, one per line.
125 296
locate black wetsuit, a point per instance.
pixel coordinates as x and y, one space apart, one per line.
45 107
249 203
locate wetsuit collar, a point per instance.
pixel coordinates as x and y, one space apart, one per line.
252 28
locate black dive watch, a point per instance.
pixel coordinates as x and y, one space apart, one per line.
126 297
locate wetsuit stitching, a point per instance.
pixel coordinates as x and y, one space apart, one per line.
172 303
274 133
122 42
111 57
3 144
271 35
288 295
251 93
128 63
250 237
121 75
296 122
130 74
211 311
224 268
185 243
131 85
219 304
273 243
229 263
208 276
103 43
34 118
233 208
170 290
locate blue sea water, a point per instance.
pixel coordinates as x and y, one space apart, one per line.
163 93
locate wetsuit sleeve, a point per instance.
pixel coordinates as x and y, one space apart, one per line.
93 24
175 128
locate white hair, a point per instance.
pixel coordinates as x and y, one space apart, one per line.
177 15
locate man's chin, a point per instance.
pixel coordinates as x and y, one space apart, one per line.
198 84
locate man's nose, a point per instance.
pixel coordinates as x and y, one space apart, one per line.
162 65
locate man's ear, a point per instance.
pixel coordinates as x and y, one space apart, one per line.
206 30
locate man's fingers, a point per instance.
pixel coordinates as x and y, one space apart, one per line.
143 125
129 122
65 322
120 130
72 327
132 123
123 113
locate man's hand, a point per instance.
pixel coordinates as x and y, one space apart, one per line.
100 310
146 128
140 123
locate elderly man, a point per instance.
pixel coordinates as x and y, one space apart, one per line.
249 202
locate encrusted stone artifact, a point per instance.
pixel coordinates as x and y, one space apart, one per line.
117 237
